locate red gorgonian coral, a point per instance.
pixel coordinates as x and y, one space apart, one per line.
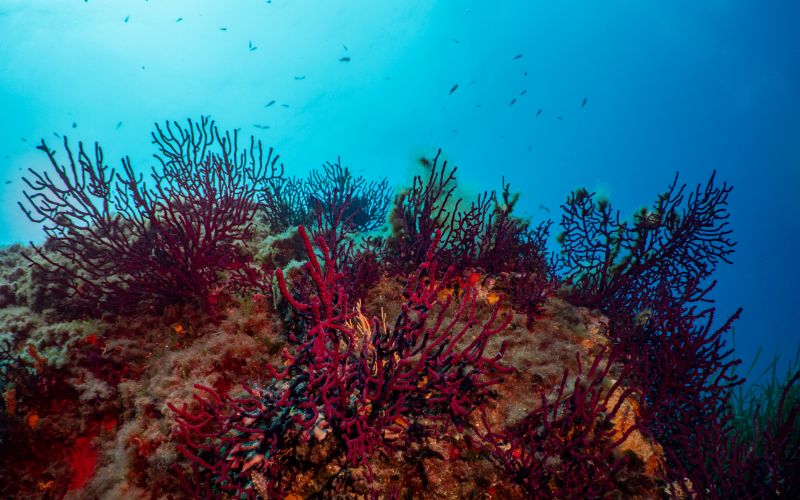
122 244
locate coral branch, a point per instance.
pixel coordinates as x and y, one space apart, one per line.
118 243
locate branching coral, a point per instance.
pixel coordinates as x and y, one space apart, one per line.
486 234
765 466
420 211
243 445
354 395
368 377
376 388
333 195
123 244
650 277
335 189
619 265
566 447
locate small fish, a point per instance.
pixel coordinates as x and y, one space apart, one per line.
539 112
512 101
74 125
262 127
525 74
8 182
344 59
453 89
455 130
544 208
179 20
119 124
126 18
583 104
270 103
530 146
560 117
518 56
142 67
223 29
251 46
285 105
24 139
56 134
455 40
523 93
302 77
345 47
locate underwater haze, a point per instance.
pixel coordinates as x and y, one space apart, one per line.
186 312
615 96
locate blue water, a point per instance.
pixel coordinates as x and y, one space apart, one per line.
681 85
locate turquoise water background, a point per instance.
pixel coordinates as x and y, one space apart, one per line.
669 86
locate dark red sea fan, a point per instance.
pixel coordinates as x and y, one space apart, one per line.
361 384
565 447
617 265
122 244
369 376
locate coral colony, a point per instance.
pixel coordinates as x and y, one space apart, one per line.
218 329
